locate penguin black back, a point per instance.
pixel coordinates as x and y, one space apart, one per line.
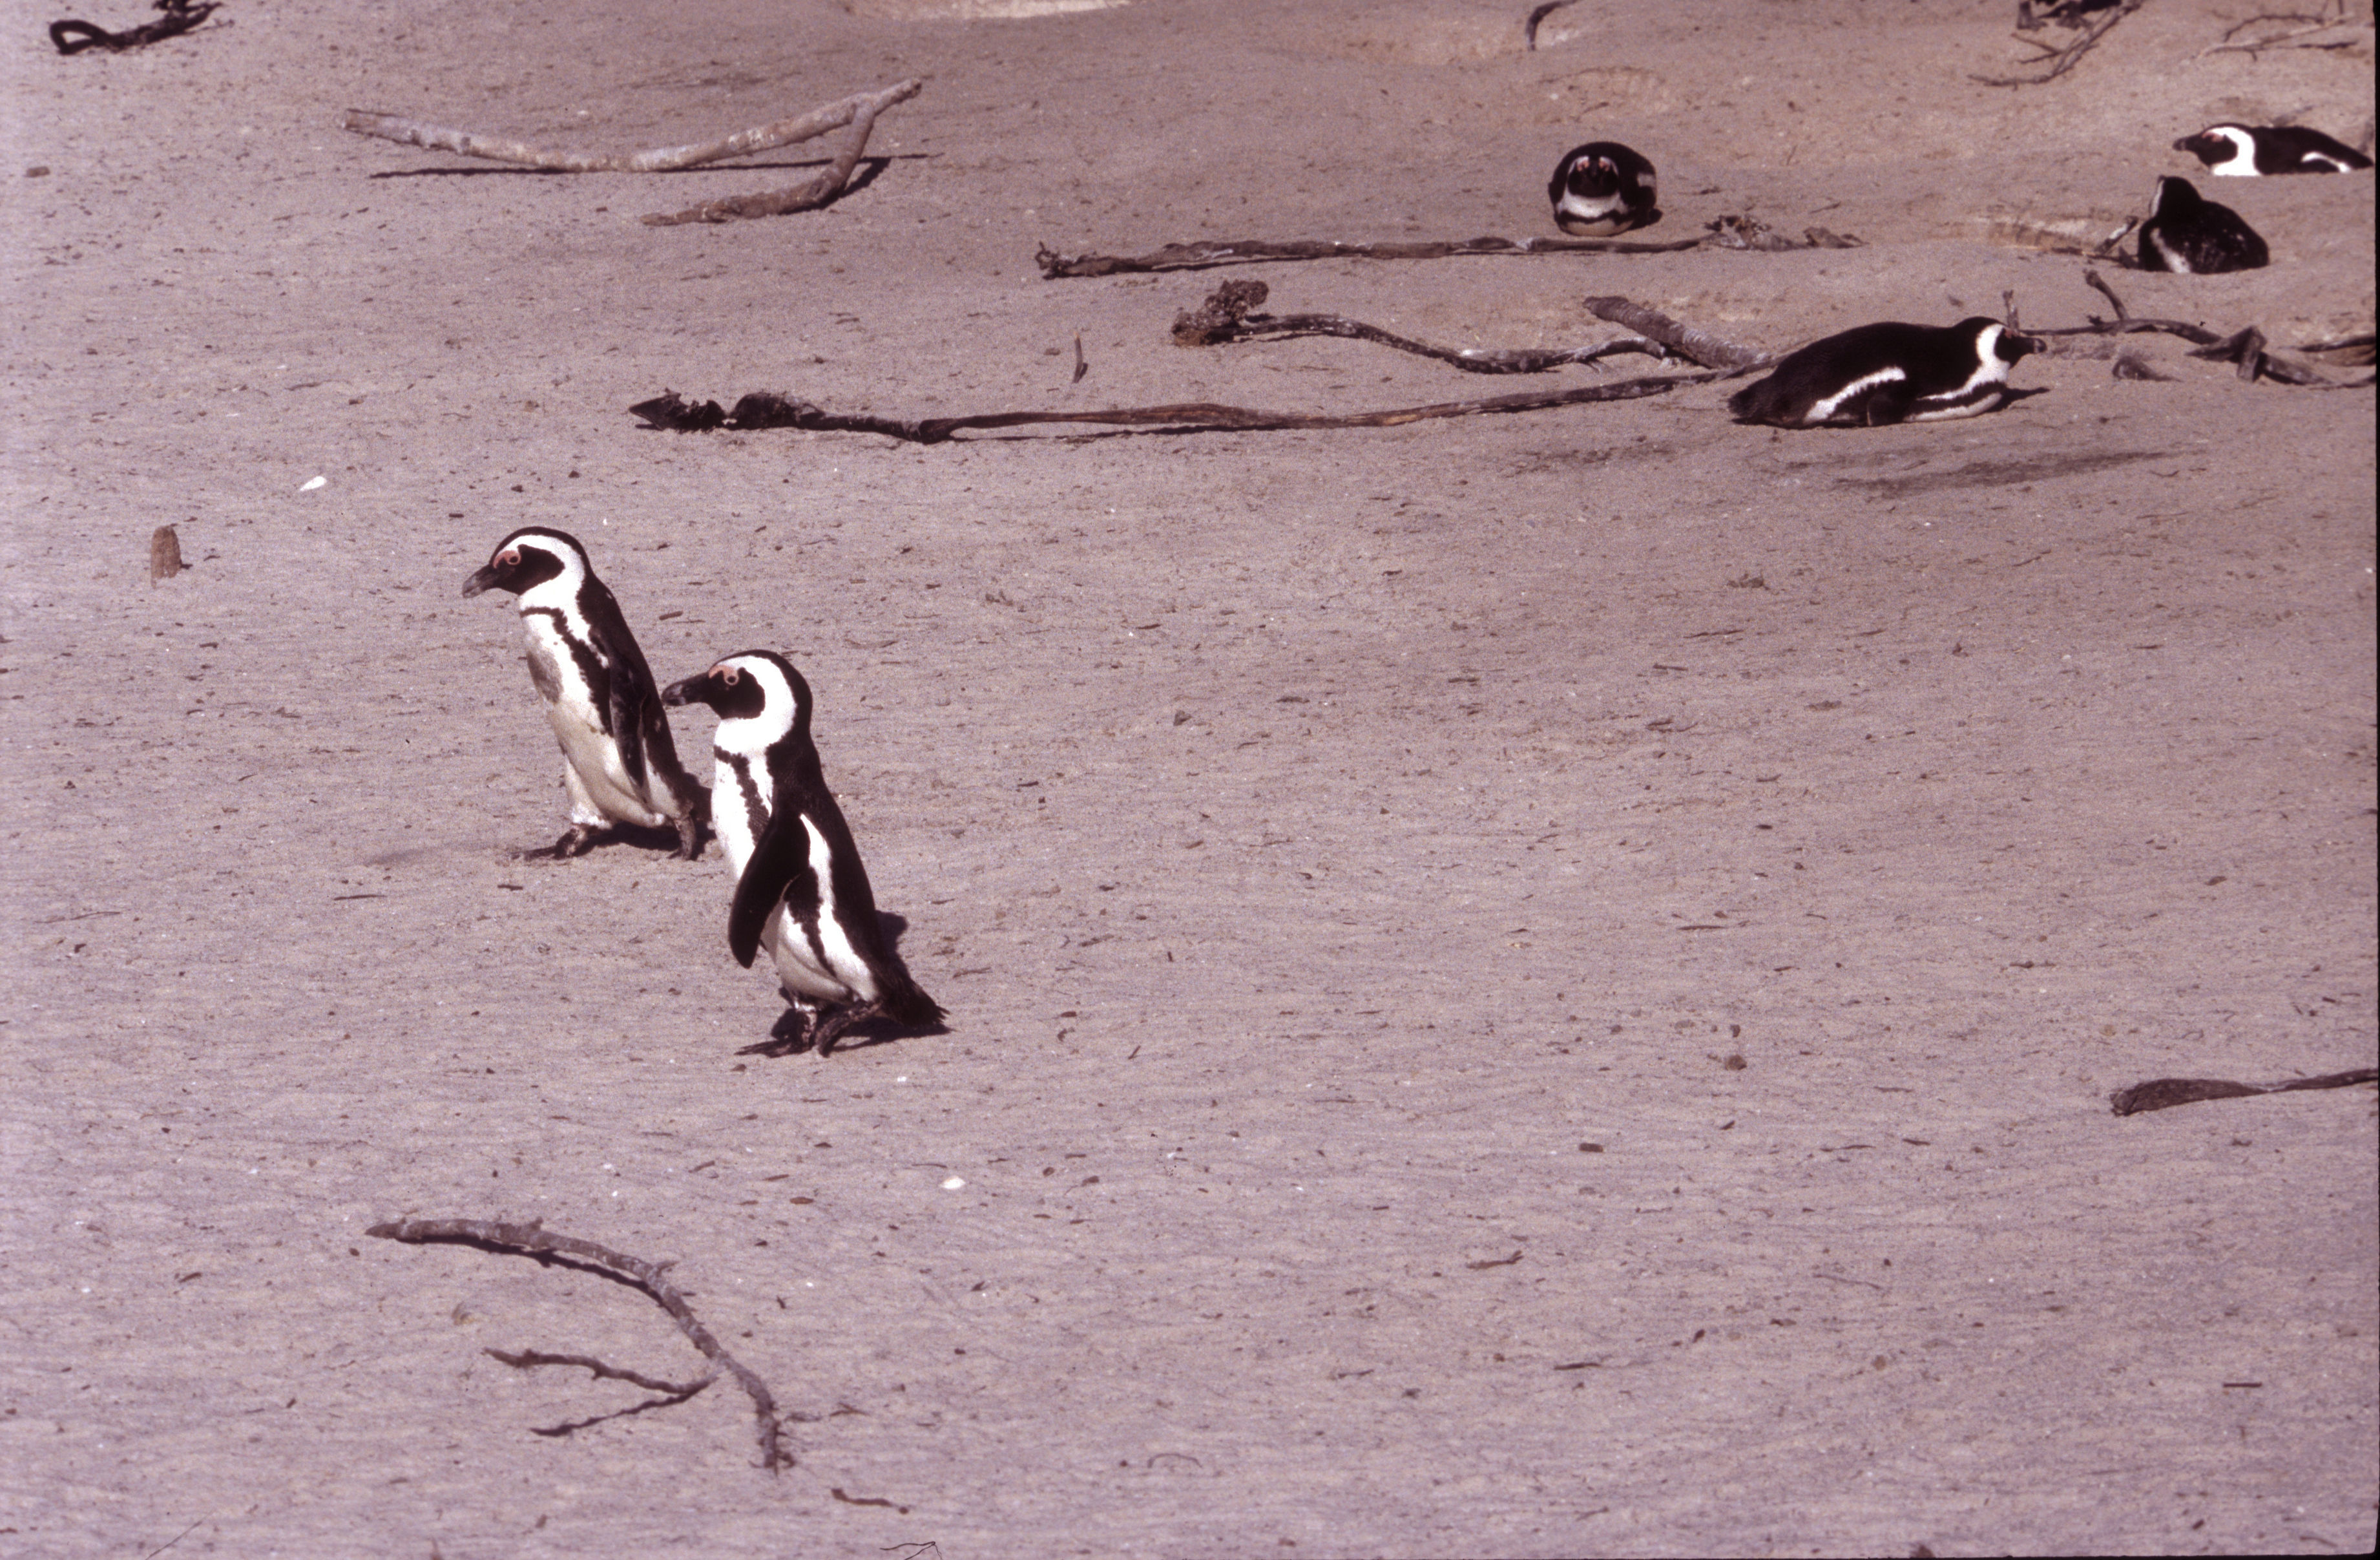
1604 188
2246 150
1888 372
2189 234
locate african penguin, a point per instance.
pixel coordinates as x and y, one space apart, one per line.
800 889
2246 151
1601 189
617 759
1888 373
2188 232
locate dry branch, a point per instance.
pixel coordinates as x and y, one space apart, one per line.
1725 233
2245 348
1686 341
766 409
1249 251
818 192
2164 1093
532 1241
1228 315
2294 25
784 132
2064 58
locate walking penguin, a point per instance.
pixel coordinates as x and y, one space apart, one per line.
801 891
618 762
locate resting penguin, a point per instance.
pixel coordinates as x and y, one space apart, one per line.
2246 151
1888 373
1601 189
800 889
2188 232
617 759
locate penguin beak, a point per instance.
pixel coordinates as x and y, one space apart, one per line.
689 691
2013 345
485 579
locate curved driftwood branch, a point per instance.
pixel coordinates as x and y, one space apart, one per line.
818 192
784 132
532 1241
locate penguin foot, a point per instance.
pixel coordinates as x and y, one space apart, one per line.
577 842
789 1036
689 839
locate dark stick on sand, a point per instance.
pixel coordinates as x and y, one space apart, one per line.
1228 315
531 1241
2164 1093
181 17
766 409
1725 232
1249 251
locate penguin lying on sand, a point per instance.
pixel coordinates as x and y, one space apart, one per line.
2246 151
1603 188
2188 232
1888 373
617 759
800 889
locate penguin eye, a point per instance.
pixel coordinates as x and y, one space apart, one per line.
728 676
509 557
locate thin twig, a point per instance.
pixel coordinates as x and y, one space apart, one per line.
2067 59
817 122
530 1359
531 1241
2312 25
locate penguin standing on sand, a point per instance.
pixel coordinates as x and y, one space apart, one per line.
1603 188
2188 232
801 891
617 759
1888 373
2246 150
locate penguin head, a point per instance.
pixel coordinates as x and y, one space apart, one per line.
2174 198
2226 149
1996 341
760 698
530 557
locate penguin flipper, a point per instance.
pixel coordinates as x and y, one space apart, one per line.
780 868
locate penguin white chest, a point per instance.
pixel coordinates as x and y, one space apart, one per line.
740 802
812 947
593 757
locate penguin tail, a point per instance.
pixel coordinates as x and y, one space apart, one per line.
907 1004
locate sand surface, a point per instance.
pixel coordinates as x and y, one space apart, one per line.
1535 985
